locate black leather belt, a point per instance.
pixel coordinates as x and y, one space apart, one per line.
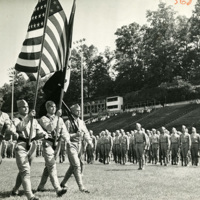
25 139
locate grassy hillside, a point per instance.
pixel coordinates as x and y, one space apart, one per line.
123 120
173 116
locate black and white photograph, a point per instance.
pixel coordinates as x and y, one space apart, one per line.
99 99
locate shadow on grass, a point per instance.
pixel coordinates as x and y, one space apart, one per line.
120 170
62 176
45 190
8 194
37 176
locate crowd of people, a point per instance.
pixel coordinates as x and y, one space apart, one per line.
25 137
140 146
156 146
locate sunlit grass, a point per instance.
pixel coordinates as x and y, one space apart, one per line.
112 181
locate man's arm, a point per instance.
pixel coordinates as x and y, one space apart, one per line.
189 141
64 132
40 132
87 137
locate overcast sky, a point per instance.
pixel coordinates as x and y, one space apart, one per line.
95 20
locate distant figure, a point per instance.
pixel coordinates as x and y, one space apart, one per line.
108 143
175 146
90 151
133 157
185 143
116 146
124 144
140 142
5 125
164 144
195 146
102 149
154 140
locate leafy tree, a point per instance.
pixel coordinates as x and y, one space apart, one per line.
96 76
130 66
102 83
194 39
159 45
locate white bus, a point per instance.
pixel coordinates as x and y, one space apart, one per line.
114 104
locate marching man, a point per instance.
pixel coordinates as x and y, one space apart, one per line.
140 142
74 148
23 154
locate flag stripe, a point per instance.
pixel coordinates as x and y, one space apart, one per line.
47 59
32 41
35 33
29 56
28 63
52 52
31 49
58 32
53 30
51 39
44 69
64 31
27 69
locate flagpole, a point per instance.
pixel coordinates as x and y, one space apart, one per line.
39 67
69 44
12 99
80 50
42 46
82 105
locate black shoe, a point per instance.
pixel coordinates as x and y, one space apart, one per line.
61 192
85 191
63 186
14 193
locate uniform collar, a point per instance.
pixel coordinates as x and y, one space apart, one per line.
21 116
50 116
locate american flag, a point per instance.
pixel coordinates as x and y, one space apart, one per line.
53 53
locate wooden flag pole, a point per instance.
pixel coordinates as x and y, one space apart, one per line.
39 69
69 43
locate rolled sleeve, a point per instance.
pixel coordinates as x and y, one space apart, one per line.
87 137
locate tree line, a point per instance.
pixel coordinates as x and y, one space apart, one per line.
156 61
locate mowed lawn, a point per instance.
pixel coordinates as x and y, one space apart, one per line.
113 181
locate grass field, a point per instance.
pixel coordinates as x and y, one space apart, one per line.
113 181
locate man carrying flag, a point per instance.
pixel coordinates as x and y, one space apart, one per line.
74 148
54 125
24 156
